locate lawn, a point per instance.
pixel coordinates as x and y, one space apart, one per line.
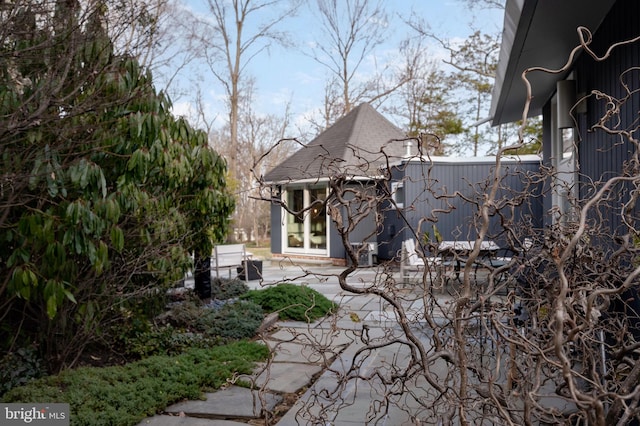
261 252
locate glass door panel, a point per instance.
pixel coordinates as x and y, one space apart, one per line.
305 224
295 219
318 218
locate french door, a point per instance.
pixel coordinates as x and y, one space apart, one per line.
305 223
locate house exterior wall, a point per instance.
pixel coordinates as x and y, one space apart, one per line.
546 156
365 231
602 155
394 225
621 24
429 189
429 200
276 228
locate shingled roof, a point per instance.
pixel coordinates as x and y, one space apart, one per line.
355 146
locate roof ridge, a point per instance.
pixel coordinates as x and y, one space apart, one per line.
358 122
355 112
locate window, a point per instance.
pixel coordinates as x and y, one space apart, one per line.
564 185
318 218
295 218
397 194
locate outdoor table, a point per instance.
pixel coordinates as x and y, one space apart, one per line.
465 247
455 252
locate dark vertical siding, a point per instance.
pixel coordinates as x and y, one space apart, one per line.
431 199
276 228
602 155
336 248
394 225
365 230
546 155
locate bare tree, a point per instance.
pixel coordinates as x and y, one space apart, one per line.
425 103
547 335
257 133
332 108
174 53
351 31
485 4
230 36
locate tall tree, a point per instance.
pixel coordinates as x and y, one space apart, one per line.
475 62
260 133
425 105
103 193
257 134
231 35
350 32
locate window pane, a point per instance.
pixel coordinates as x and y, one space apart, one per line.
398 194
295 221
318 216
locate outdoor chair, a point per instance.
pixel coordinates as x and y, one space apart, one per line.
229 256
412 262
452 259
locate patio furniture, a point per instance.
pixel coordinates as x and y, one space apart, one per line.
229 256
251 270
318 240
412 261
500 260
454 255
294 241
365 253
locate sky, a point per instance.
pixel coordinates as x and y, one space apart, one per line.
290 76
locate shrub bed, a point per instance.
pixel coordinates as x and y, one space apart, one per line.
190 348
192 323
238 320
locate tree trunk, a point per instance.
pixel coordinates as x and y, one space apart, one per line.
202 275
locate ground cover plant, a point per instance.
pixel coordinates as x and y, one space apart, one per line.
292 302
124 395
19 367
189 322
193 346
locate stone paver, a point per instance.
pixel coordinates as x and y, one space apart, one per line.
287 377
326 351
232 402
296 353
316 336
187 421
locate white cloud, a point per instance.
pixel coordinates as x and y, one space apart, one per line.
183 109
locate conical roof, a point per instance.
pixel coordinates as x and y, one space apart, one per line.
357 145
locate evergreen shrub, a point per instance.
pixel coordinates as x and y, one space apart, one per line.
292 302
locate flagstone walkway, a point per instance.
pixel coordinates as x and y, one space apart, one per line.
300 383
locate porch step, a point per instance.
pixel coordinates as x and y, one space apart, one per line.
299 261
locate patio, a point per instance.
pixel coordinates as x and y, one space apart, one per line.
383 356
